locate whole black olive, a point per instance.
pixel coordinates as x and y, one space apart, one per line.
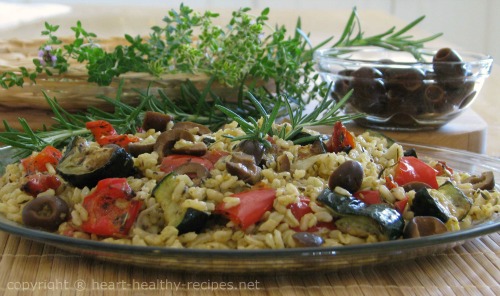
348 175
435 94
369 91
46 212
407 79
449 68
448 63
343 84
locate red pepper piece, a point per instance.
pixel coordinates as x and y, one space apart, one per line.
341 140
369 197
411 169
100 128
38 162
120 140
37 183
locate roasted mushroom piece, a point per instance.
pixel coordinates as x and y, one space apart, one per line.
424 226
243 166
253 148
192 127
484 182
166 141
283 163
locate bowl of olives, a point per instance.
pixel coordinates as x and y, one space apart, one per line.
400 90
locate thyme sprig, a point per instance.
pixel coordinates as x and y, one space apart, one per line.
189 42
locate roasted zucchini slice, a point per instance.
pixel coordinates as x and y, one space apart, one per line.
84 164
184 219
360 219
443 203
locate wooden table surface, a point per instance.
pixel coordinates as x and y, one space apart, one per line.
28 267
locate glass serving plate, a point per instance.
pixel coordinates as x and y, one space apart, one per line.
282 260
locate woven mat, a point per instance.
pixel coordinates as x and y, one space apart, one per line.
27 268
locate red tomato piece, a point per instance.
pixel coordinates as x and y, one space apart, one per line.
443 169
400 205
38 183
171 162
412 169
100 128
111 212
369 197
300 208
214 155
253 205
341 139
38 162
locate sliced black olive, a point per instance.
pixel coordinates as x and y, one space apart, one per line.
424 226
484 182
155 120
84 165
307 239
46 212
348 175
191 126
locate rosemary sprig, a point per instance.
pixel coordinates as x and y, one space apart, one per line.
326 112
253 129
353 35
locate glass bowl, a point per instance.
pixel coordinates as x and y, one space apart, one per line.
397 91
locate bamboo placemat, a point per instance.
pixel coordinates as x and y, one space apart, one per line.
470 269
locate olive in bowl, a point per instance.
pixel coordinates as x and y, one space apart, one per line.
397 91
